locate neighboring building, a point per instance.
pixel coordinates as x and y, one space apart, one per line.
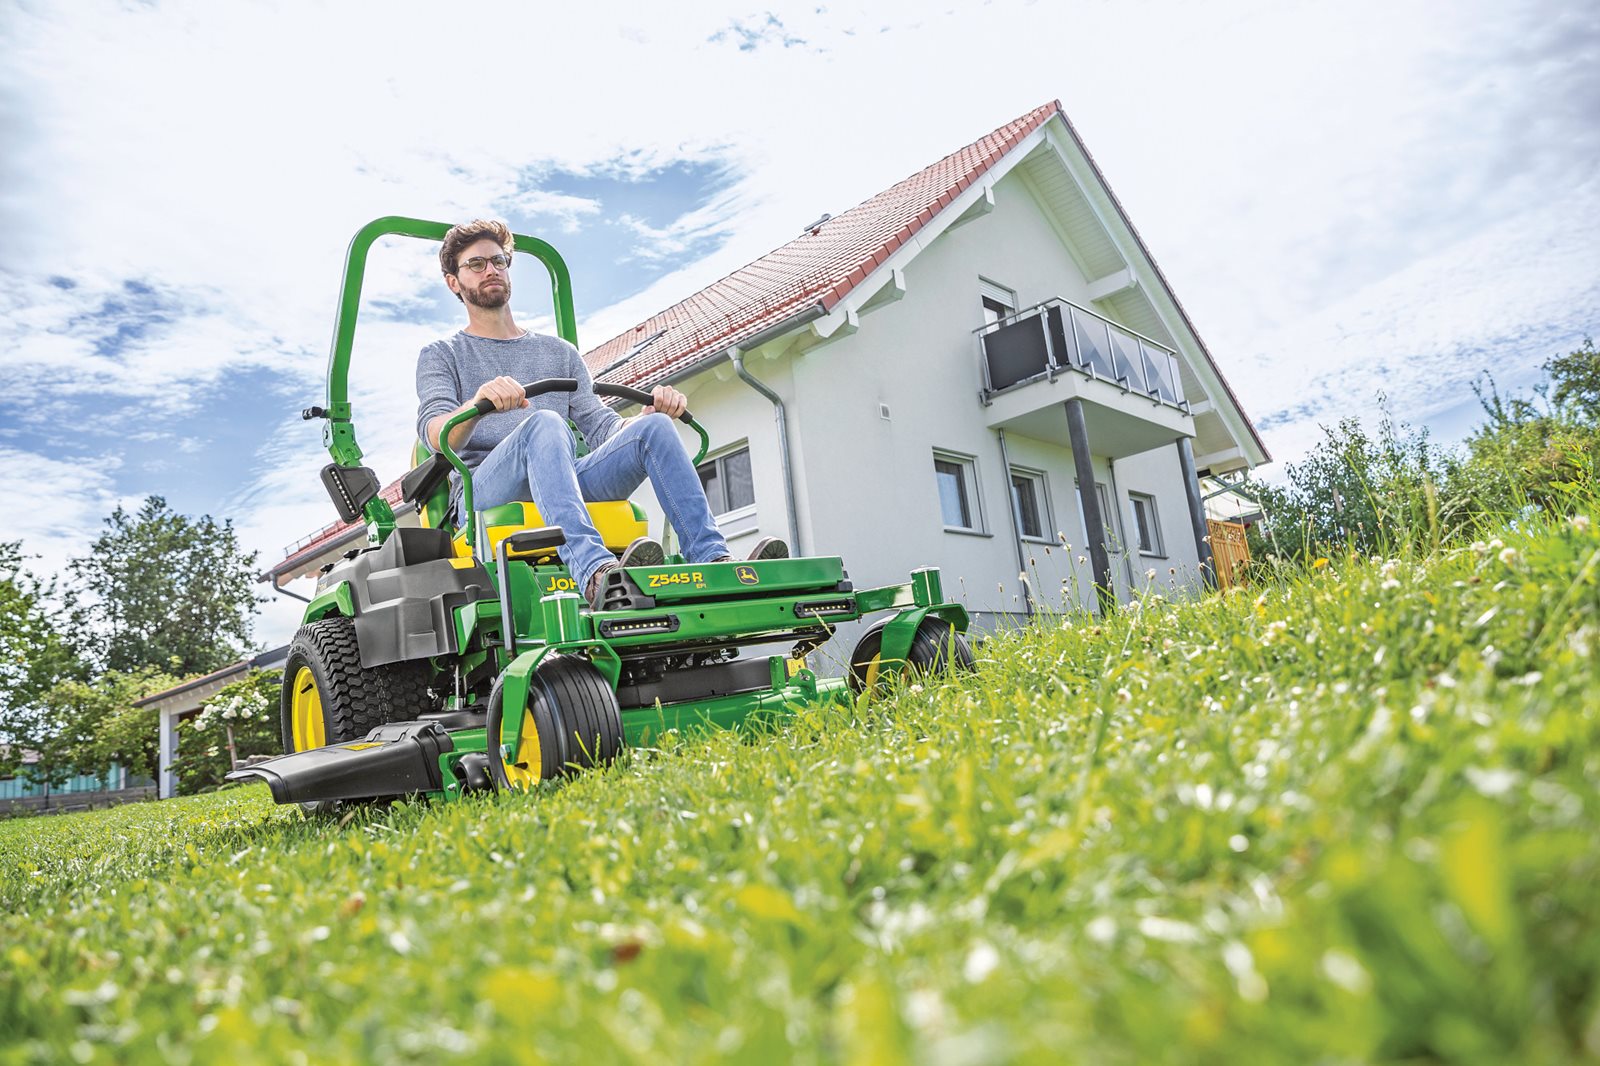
927 378
185 701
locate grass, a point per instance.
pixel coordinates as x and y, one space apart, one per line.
1349 815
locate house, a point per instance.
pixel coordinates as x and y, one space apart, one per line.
185 701
936 375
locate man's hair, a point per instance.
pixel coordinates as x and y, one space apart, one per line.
468 232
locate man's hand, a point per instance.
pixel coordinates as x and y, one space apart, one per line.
668 400
504 392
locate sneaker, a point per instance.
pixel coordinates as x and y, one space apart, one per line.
769 548
644 552
595 590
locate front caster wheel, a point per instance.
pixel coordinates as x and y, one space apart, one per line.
935 645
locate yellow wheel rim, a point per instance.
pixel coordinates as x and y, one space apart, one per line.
873 667
523 773
305 712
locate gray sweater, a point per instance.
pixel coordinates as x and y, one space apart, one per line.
449 371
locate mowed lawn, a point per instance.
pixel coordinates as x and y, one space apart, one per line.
1345 816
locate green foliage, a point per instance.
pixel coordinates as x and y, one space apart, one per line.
1380 494
174 592
39 641
241 721
1355 490
96 723
1536 450
1350 815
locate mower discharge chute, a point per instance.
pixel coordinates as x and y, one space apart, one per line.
442 661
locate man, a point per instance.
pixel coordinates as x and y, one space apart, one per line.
523 450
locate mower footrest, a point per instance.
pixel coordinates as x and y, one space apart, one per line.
392 760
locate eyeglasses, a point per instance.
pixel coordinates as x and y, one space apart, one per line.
478 264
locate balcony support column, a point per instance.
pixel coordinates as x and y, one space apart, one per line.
1099 555
1197 513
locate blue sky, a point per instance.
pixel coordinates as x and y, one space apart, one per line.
1348 199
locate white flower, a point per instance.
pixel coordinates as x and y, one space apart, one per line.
1509 556
1580 522
1480 547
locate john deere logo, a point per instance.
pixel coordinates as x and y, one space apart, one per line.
747 575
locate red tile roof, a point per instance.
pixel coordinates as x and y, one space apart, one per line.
819 267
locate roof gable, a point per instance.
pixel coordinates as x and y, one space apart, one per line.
818 269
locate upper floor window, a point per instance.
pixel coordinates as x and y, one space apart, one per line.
998 301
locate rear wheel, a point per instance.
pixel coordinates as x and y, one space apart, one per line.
572 721
330 698
935 644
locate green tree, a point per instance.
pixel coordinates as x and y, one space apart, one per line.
40 634
95 723
175 592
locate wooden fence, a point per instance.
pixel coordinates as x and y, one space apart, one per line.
1229 552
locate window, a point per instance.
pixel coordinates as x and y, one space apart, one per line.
1031 503
727 481
1107 515
957 479
998 301
1146 525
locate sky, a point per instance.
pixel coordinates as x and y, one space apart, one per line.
1351 200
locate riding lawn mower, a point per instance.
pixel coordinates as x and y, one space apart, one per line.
439 661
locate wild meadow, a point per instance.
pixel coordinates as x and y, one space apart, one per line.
1347 814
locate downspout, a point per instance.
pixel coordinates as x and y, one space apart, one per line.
780 418
280 589
1016 528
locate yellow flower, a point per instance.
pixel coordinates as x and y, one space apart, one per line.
1321 562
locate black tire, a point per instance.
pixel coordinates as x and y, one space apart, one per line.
354 700
930 651
577 717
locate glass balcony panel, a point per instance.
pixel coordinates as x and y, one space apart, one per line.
1158 372
1129 363
1094 345
1015 352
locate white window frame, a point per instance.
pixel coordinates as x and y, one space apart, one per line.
718 458
1109 517
969 468
1041 495
1158 543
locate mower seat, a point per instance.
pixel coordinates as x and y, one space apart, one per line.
619 522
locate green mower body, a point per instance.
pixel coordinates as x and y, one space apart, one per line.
439 661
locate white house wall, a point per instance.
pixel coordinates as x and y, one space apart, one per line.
865 485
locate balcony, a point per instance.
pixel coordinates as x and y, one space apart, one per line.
1036 359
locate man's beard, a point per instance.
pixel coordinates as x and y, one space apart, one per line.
491 300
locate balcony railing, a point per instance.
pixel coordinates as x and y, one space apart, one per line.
1057 335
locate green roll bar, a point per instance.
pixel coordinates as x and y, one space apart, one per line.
338 432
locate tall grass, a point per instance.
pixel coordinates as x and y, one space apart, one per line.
1348 815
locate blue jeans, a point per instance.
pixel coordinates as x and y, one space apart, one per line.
538 462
